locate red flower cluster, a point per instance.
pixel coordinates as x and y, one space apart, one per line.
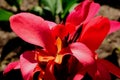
68 50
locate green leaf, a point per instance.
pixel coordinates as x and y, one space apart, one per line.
73 6
67 4
4 15
54 6
19 2
37 9
59 8
49 5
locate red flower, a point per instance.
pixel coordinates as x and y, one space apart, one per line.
67 49
104 68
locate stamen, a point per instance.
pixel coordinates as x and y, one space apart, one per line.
76 35
65 41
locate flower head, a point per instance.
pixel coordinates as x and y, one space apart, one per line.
66 50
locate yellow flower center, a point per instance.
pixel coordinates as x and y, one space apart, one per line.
41 57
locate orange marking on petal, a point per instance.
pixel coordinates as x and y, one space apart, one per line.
42 57
59 44
45 58
58 59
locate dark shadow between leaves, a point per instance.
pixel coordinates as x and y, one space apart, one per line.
16 45
12 75
5 26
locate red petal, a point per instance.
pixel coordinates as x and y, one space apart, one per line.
75 68
102 73
111 68
51 24
84 11
12 65
70 28
93 10
114 26
78 77
94 32
82 53
84 56
38 71
27 64
59 31
49 74
33 29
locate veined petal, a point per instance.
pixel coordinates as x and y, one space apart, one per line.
94 32
83 12
111 68
12 65
114 26
27 64
33 29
